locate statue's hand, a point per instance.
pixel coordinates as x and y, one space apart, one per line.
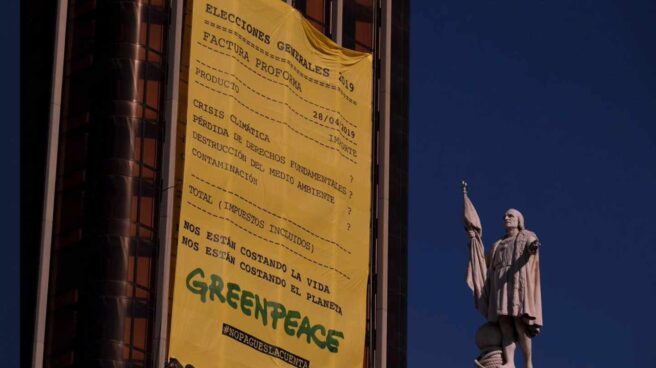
471 234
533 247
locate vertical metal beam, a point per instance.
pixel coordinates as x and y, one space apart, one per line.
50 185
384 98
337 23
174 51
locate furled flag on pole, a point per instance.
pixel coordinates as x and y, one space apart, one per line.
476 267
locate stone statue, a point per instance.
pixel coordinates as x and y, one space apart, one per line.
506 286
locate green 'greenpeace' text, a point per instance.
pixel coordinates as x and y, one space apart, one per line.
251 305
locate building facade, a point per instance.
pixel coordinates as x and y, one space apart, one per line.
98 103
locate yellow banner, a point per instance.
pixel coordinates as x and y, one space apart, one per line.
273 241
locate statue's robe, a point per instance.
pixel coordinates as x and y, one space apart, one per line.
512 285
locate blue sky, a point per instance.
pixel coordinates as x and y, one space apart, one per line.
548 107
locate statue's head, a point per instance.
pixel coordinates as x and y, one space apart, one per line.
513 219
